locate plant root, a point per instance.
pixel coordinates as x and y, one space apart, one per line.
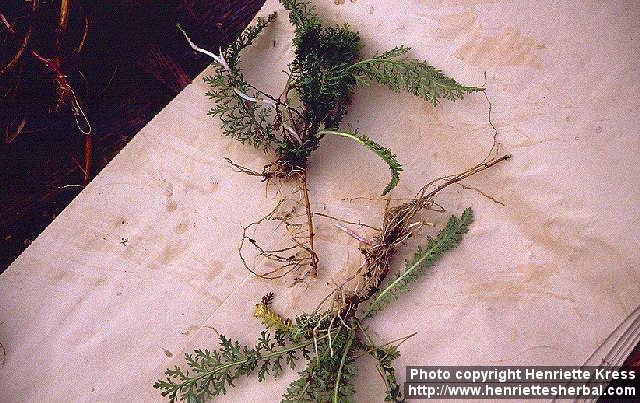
399 224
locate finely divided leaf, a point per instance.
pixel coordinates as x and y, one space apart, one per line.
301 14
329 375
247 121
240 107
246 38
447 239
384 153
319 72
385 355
210 373
394 70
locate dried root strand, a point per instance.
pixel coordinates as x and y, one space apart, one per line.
297 256
307 207
399 223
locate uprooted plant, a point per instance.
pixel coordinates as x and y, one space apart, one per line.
335 334
322 78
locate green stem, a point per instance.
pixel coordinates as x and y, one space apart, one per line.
343 134
336 389
374 60
391 286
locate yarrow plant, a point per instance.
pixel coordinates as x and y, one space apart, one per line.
329 341
322 78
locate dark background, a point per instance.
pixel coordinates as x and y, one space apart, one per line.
133 62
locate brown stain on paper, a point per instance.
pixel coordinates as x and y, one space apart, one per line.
452 27
509 47
215 268
172 205
182 228
526 280
171 251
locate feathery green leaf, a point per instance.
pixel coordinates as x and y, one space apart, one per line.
211 372
385 357
395 70
243 119
302 15
319 72
384 153
448 238
232 51
328 375
242 108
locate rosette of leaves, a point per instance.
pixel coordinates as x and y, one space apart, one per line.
323 77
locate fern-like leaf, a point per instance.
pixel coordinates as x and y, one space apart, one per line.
246 38
244 113
302 15
320 73
384 153
395 70
245 120
385 357
447 239
328 376
211 372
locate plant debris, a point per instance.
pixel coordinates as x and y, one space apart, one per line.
322 79
330 340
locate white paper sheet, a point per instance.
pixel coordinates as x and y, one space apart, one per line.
143 263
